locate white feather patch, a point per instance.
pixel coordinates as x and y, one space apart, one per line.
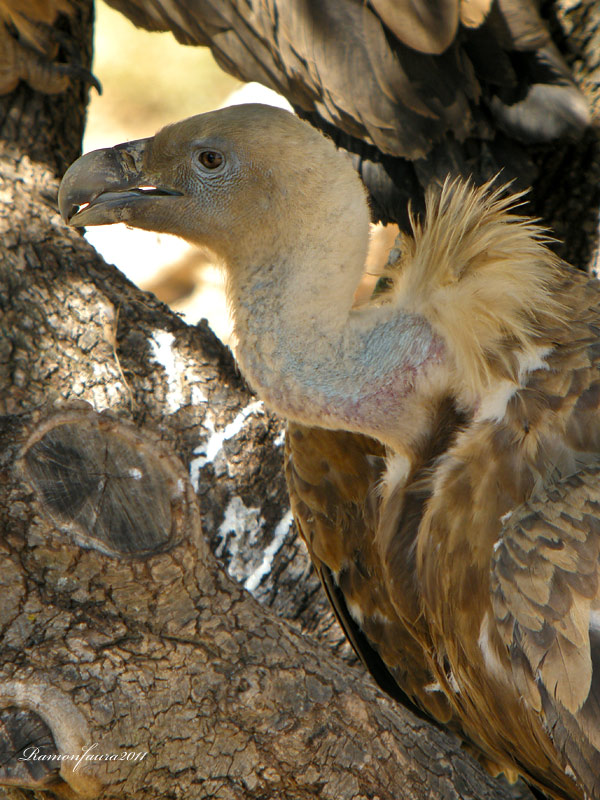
397 471
490 657
493 404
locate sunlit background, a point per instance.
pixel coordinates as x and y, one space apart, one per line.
150 80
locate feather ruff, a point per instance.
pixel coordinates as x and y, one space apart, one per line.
484 278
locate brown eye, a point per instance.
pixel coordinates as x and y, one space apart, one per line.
210 159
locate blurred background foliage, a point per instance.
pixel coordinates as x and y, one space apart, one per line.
148 80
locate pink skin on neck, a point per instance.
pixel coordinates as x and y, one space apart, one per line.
363 382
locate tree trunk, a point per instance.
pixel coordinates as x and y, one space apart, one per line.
131 453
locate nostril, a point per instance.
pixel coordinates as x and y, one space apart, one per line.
128 159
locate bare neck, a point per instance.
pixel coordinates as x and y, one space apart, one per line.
313 359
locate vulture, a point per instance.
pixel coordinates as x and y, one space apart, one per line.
413 89
443 441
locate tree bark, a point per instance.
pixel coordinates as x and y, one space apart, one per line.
131 452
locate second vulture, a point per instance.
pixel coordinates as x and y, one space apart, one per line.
443 447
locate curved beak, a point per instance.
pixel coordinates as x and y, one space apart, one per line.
104 186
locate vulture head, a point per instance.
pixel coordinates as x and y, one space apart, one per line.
249 182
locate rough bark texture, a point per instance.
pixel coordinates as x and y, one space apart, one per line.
131 452
150 648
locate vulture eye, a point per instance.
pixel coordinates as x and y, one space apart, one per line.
210 159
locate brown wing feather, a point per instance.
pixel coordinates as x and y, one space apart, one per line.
332 478
361 645
546 597
408 566
545 440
